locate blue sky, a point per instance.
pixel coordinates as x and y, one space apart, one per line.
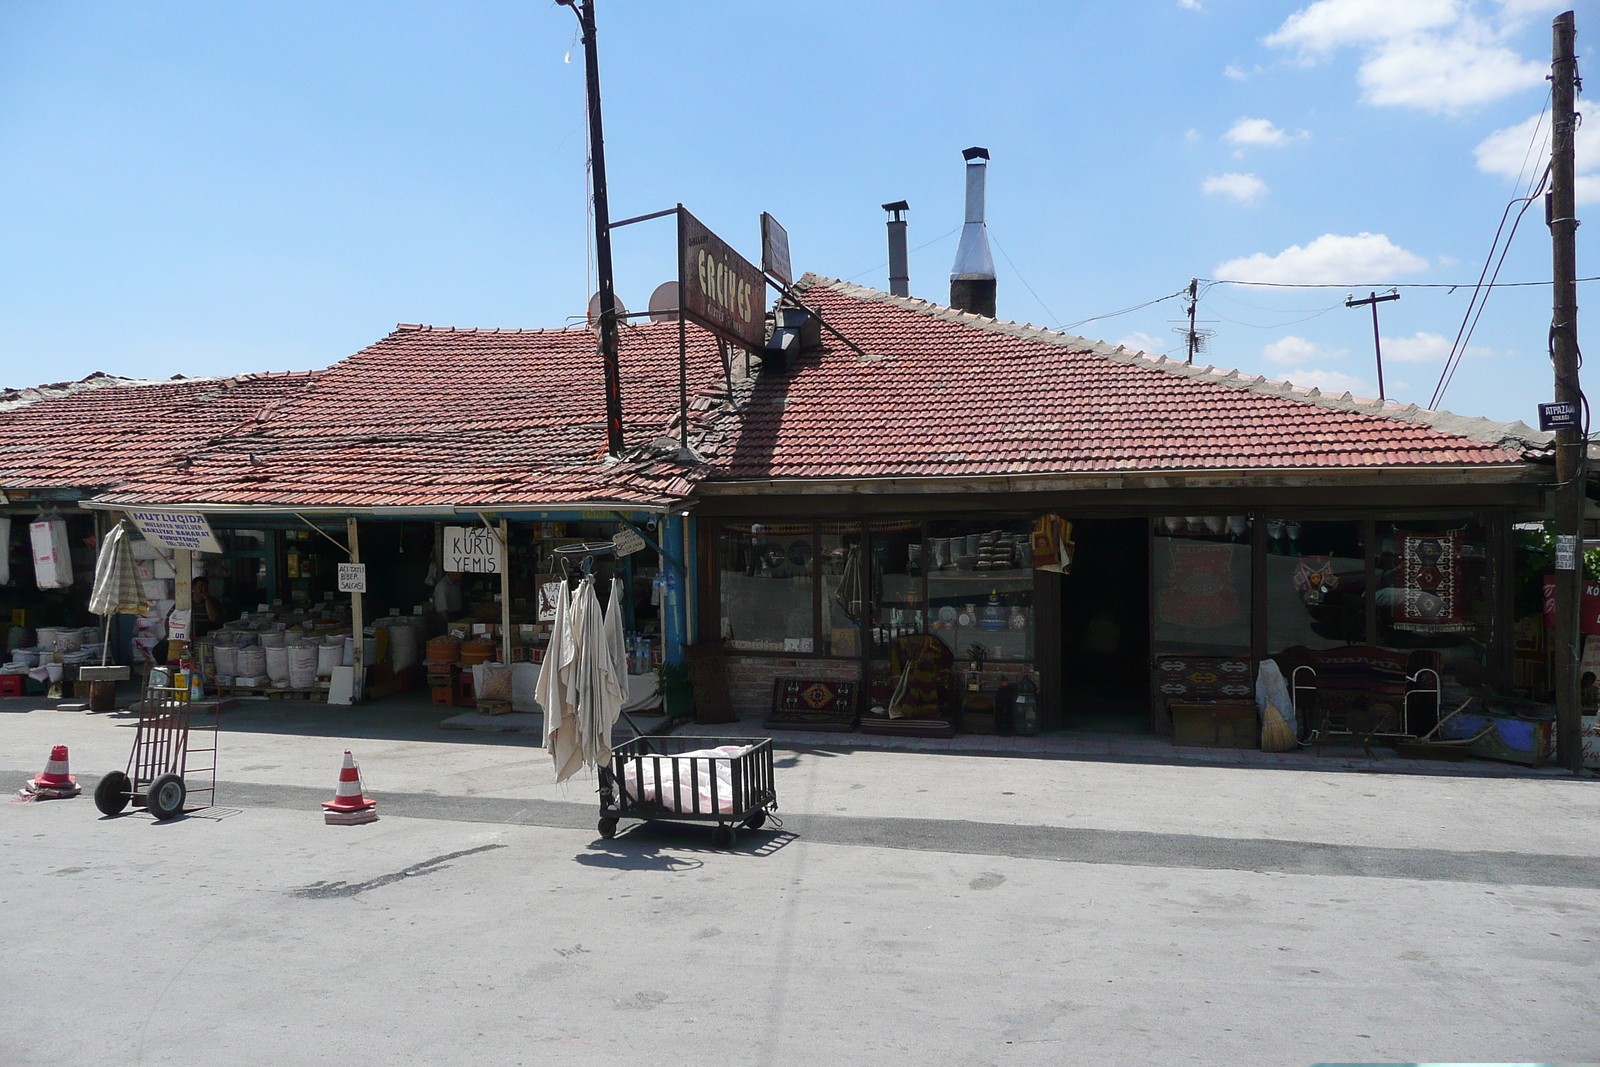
205 188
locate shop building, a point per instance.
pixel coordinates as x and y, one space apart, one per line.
450 463
1217 519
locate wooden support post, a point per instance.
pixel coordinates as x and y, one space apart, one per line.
358 682
505 592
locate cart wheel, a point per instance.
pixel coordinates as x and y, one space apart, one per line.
165 799
111 795
724 836
608 828
756 821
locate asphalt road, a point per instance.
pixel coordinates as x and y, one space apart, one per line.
1109 928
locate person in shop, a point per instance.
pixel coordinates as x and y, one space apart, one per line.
205 615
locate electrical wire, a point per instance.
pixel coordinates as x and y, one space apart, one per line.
1113 314
885 263
1382 285
1279 325
1024 281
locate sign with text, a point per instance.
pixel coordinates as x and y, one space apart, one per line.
471 550
1588 607
176 529
178 624
627 542
1562 415
775 250
720 289
352 577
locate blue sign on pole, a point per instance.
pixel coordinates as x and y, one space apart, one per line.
1562 415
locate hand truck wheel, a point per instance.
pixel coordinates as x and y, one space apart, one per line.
608 828
112 794
756 821
165 799
723 836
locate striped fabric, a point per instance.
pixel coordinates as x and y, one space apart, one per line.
116 577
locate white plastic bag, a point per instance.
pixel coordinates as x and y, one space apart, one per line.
52 553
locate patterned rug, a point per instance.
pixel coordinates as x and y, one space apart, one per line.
1428 599
805 704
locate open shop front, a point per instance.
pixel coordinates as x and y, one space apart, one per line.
1160 624
47 559
448 605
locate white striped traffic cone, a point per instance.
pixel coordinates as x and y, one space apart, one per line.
348 806
55 781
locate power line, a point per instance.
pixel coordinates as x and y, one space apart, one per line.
1113 314
1382 285
885 263
1024 281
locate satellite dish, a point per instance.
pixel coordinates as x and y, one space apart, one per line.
594 309
664 303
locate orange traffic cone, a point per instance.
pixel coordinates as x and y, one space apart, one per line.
348 806
54 782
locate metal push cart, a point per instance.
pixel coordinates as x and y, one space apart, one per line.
160 777
650 778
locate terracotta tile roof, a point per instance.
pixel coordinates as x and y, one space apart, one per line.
431 416
103 431
944 393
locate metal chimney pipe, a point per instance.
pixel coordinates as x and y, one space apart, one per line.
899 278
972 281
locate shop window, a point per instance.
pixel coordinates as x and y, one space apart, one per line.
842 583
1316 574
980 587
1200 577
897 605
767 588
1434 594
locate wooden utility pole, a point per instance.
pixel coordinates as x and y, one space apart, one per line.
584 9
1571 444
1377 344
1194 300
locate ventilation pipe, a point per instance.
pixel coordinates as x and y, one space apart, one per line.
972 286
899 278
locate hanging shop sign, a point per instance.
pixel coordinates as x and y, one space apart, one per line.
775 250
471 550
352 577
1588 606
721 289
627 542
176 529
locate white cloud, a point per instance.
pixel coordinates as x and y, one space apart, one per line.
1259 132
1244 188
1192 136
1139 341
1330 259
1330 24
1425 347
1232 71
1520 152
1429 54
1293 350
1332 381
1445 74
1190 5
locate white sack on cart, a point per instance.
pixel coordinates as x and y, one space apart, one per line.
679 779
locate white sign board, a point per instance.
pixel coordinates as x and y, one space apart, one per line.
471 550
1566 552
627 542
178 624
176 529
352 577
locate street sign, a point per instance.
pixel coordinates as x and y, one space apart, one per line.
1566 552
775 250
176 529
352 577
1562 415
720 289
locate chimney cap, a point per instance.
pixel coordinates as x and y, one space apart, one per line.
974 153
898 205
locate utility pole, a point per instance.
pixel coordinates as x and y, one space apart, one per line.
1192 339
1571 444
584 9
1377 345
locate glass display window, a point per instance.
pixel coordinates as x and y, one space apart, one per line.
1316 575
768 595
1200 586
980 586
897 605
1434 593
843 607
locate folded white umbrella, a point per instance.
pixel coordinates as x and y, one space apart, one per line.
116 577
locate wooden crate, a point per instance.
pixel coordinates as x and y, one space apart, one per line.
1232 724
